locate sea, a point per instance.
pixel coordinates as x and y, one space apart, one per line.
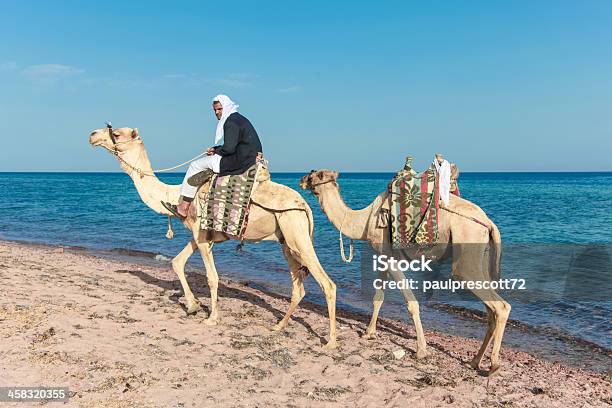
559 219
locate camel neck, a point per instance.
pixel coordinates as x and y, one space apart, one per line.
151 190
352 223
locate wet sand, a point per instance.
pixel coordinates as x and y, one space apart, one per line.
115 332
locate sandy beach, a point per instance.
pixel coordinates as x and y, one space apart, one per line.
116 334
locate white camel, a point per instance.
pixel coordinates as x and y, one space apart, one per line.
277 213
462 222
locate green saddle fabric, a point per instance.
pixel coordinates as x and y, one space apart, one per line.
226 208
414 204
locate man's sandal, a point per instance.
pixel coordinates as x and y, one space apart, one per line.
173 209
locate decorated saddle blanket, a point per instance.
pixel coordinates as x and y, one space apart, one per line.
226 207
413 207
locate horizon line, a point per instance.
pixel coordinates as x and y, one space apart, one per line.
302 172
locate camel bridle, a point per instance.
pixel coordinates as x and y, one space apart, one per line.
116 152
321 183
109 126
312 185
342 253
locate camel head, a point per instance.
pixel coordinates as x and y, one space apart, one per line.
315 180
118 139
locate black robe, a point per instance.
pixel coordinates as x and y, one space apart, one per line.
240 145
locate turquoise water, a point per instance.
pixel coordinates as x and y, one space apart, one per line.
102 211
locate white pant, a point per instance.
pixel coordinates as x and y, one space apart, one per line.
206 162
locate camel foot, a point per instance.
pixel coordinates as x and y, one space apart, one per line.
279 326
494 369
331 345
193 308
422 353
474 364
212 320
369 334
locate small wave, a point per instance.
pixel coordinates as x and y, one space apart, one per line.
133 252
161 258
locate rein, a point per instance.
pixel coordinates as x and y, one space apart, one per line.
350 257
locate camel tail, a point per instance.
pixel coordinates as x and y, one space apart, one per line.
495 252
303 269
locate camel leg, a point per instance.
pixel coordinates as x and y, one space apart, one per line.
213 281
470 266
329 289
297 294
413 308
379 297
295 229
297 288
502 311
475 363
178 265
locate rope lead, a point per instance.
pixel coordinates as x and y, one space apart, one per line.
170 232
350 257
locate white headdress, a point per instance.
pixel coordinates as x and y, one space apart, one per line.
229 107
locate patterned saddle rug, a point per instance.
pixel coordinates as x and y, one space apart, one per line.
414 202
226 208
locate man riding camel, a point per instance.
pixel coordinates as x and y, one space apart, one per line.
238 152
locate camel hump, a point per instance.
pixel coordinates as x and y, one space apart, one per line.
278 197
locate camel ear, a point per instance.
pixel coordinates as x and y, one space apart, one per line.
135 133
336 174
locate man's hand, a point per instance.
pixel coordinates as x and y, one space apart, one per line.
210 151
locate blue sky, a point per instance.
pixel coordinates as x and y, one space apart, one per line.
351 86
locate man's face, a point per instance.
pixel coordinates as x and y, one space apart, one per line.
218 108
